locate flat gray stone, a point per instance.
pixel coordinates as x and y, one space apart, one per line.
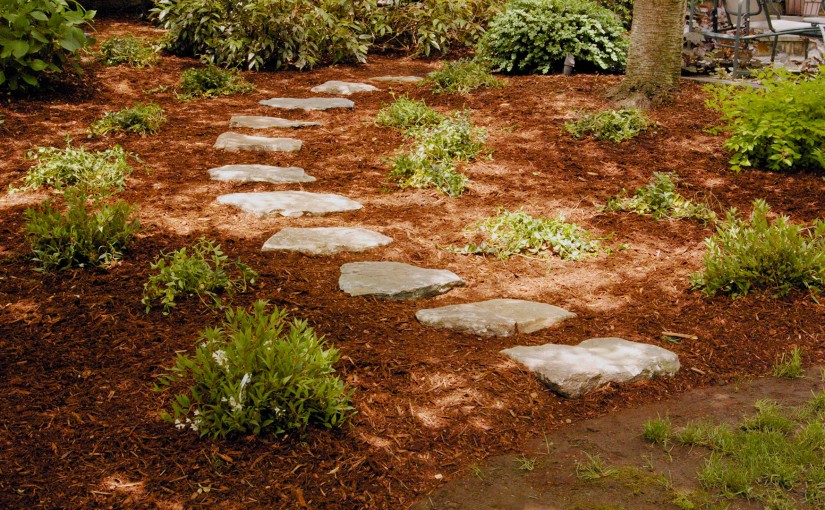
398 79
260 173
572 371
260 122
311 103
325 240
496 317
289 203
237 142
343 87
395 280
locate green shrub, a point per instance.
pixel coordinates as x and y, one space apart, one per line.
38 37
211 81
660 199
780 127
623 9
405 113
96 172
83 236
201 273
129 50
757 254
614 125
436 149
536 35
461 77
258 373
145 119
518 233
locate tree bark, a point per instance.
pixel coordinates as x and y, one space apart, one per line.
654 60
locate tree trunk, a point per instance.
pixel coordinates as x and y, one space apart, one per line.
654 61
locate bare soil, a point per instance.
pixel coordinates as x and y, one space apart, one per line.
79 425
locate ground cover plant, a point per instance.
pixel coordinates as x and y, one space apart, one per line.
93 171
660 200
258 374
127 49
535 36
517 233
614 125
760 254
790 365
211 81
405 113
462 77
780 127
86 234
144 119
203 272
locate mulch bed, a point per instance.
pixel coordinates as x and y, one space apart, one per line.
78 355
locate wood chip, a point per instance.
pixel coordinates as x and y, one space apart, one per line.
680 335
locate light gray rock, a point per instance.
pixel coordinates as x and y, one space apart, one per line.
325 240
395 280
343 87
260 122
260 173
573 371
496 317
289 203
311 103
398 79
237 142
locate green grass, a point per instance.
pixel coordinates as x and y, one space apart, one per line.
211 81
660 200
657 430
614 125
92 171
789 365
594 468
518 233
462 77
144 119
405 113
127 49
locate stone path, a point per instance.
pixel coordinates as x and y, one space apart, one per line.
395 280
261 122
289 203
343 87
325 240
260 173
496 317
237 142
309 104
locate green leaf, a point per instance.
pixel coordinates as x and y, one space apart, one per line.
37 65
18 48
38 15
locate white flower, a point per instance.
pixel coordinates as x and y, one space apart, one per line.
235 405
244 381
220 358
179 425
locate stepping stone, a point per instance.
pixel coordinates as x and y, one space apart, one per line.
238 142
325 240
289 203
395 280
398 79
312 103
259 122
496 317
573 371
343 87
260 173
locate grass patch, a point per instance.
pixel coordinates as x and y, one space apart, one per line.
660 200
789 365
613 125
94 172
85 235
594 468
518 233
406 113
462 77
144 119
657 430
211 81
204 272
129 50
759 254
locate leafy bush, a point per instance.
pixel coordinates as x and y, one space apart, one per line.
127 49
83 236
518 233
405 113
203 273
97 172
623 9
39 37
258 373
211 81
614 125
660 199
462 76
780 127
435 151
536 35
757 254
145 119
